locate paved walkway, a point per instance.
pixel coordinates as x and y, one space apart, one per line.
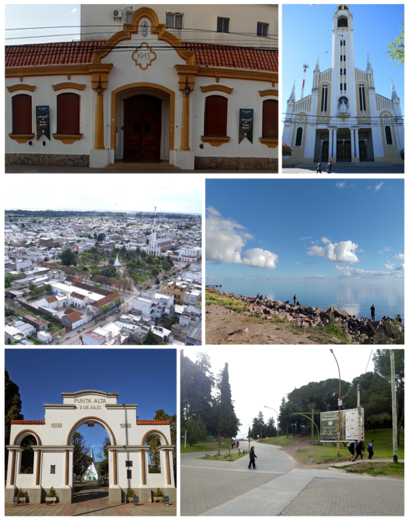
92 500
212 488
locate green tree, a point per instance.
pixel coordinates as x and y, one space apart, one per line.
396 48
7 281
81 458
102 467
149 339
105 309
48 287
228 424
196 431
12 408
68 258
155 272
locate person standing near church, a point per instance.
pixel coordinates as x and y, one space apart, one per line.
373 312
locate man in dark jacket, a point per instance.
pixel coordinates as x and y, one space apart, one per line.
370 449
359 450
252 457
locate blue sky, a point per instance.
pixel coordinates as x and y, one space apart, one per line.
50 16
143 376
307 33
305 228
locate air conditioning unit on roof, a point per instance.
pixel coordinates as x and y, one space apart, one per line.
117 14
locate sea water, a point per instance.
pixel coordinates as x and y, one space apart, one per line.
355 297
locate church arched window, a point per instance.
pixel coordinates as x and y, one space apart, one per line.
342 21
299 135
389 137
324 98
21 108
362 98
270 119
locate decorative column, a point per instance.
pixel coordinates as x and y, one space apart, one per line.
114 464
99 122
13 465
167 453
357 143
330 143
38 468
352 144
67 466
185 122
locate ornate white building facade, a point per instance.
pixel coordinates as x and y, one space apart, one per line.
343 118
191 86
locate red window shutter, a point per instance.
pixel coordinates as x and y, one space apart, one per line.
22 118
216 115
270 119
68 113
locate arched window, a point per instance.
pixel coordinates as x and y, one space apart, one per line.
389 137
27 455
362 98
299 135
216 115
68 113
154 456
22 120
324 98
342 21
270 119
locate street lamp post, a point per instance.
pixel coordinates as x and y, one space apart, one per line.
277 423
340 401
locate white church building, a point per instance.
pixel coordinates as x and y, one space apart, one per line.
343 118
128 452
189 86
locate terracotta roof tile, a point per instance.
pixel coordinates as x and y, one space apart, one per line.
51 299
209 55
106 300
152 422
75 316
28 422
77 295
61 53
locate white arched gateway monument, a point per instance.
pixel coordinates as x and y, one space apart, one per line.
53 452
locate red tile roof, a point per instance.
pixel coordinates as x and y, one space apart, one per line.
73 279
28 422
234 57
106 300
82 53
63 53
75 316
52 299
77 295
152 422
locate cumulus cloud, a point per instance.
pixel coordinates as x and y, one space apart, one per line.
325 240
343 251
399 256
226 239
388 266
347 272
399 268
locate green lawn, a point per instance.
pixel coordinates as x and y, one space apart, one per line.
225 457
377 469
208 445
383 447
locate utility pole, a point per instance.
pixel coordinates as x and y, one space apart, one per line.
393 404
311 425
359 413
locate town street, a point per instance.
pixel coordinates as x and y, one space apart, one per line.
216 488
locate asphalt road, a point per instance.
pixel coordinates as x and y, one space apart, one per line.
213 488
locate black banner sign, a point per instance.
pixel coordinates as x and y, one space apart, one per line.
43 121
246 124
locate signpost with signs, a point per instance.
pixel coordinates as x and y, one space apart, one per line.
351 425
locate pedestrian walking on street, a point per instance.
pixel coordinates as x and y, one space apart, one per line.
359 450
352 448
237 444
319 168
373 312
370 449
329 167
252 457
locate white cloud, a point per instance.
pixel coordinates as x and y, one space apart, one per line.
388 266
75 10
305 238
377 188
385 249
325 240
399 268
225 240
399 256
341 184
343 251
347 272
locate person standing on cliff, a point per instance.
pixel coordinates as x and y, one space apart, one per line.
373 312
295 299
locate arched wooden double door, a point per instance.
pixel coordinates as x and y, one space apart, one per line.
142 128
